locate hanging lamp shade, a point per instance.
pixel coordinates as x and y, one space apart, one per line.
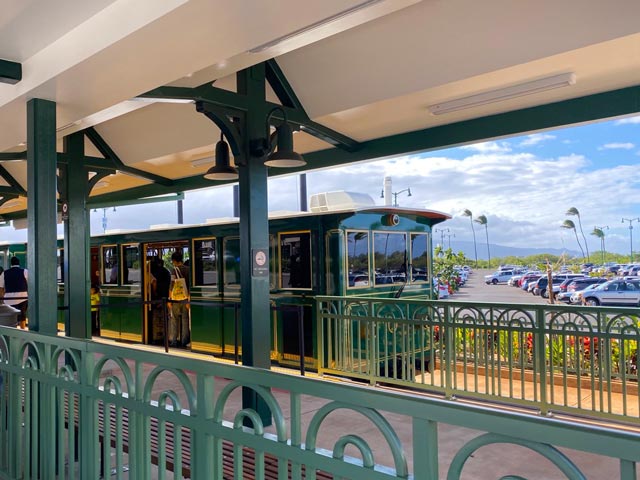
285 156
222 169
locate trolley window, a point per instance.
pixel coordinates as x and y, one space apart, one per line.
358 259
419 261
273 266
110 265
390 258
205 258
295 259
232 262
60 267
131 265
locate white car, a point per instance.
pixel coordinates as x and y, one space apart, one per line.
501 276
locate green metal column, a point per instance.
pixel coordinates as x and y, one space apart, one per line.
42 215
254 235
76 240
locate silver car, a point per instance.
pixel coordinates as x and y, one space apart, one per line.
501 276
614 292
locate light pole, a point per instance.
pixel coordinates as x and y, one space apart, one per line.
449 235
104 218
442 231
602 229
395 195
630 220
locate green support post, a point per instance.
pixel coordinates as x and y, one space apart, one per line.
254 236
77 276
42 215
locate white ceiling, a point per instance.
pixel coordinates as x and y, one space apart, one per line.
369 74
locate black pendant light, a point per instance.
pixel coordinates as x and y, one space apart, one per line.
284 156
222 169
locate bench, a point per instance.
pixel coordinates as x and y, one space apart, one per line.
248 454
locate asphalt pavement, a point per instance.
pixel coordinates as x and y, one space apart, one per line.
476 290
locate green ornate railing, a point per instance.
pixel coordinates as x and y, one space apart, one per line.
580 360
68 405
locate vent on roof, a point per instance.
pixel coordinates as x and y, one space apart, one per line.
331 201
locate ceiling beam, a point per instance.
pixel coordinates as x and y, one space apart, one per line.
235 102
281 86
10 72
104 148
11 156
91 163
13 183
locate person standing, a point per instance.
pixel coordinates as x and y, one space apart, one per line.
13 285
95 312
180 286
160 282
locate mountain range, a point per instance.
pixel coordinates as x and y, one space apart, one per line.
498 251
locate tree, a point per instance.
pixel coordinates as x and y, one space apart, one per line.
482 220
598 232
467 213
574 212
568 224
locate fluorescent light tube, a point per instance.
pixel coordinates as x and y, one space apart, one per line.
313 26
506 93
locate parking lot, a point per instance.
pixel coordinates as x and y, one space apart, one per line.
476 290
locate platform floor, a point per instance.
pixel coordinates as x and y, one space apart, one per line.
490 463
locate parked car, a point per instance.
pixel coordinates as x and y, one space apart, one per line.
501 276
614 292
541 286
528 279
577 285
577 296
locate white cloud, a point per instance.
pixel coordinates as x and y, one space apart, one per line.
536 138
617 146
628 120
523 195
486 147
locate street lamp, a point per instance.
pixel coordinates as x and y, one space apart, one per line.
395 195
602 229
630 220
441 231
449 235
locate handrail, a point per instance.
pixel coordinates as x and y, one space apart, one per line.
553 358
35 387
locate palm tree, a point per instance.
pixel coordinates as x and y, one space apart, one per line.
467 213
572 226
482 220
574 211
598 232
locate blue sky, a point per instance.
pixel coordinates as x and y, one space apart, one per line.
523 185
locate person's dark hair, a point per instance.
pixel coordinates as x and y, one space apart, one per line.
95 286
15 261
177 256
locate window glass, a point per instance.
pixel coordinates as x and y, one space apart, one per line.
60 266
419 257
205 262
358 258
390 257
4 263
232 262
273 270
131 265
110 265
295 260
